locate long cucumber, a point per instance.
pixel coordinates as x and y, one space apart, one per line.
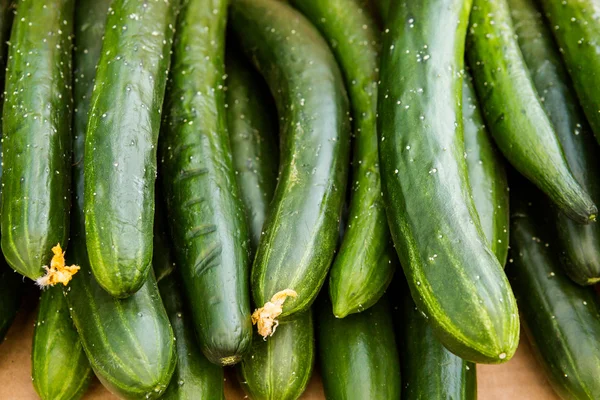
301 228
434 223
122 134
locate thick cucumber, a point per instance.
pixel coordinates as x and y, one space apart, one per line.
363 267
253 133
561 319
206 212
358 354
514 112
122 134
434 222
37 135
60 369
579 244
487 176
301 229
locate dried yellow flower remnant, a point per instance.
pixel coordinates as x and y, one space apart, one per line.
58 272
265 317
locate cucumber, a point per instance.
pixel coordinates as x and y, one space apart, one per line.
520 127
60 369
11 290
37 135
207 220
360 273
487 176
301 228
357 354
579 244
383 8
433 220
122 135
561 319
253 134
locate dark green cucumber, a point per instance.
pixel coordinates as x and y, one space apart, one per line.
487 176
514 112
383 8
358 353
11 288
253 132
37 135
433 219
579 244
59 368
301 229
207 219
561 319
122 135
280 367
360 273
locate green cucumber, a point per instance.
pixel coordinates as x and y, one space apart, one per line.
253 134
433 219
60 369
301 228
561 319
358 353
383 8
11 290
487 176
122 135
579 244
514 112
207 219
37 135
360 273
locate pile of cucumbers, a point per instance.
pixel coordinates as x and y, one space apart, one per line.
197 159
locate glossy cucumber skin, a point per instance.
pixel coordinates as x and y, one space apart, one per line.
208 224
280 367
579 244
37 135
253 133
561 319
301 229
122 134
365 262
59 367
487 175
434 223
358 354
520 127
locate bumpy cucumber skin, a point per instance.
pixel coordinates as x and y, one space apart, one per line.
37 135
280 367
433 220
579 244
207 219
122 135
561 319
364 265
253 133
60 369
487 175
358 354
301 229
514 112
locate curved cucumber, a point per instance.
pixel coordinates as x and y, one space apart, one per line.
60 369
487 176
207 218
360 273
122 134
358 354
301 229
561 319
37 135
433 220
514 112
579 244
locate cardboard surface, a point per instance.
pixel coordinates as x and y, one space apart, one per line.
521 378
